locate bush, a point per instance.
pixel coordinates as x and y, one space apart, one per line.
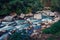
22 35
19 6
53 29
55 5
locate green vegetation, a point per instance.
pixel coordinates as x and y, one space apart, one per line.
19 6
55 5
20 36
56 36
53 29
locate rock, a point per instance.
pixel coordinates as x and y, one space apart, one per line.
48 26
13 14
22 15
37 16
45 12
56 19
52 14
29 14
39 12
8 18
1 20
50 21
28 19
48 13
43 26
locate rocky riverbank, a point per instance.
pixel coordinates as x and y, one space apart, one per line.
38 22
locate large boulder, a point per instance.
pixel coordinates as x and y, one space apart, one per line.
38 16
22 15
49 13
29 14
8 18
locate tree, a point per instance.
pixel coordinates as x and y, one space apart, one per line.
19 6
4 6
55 5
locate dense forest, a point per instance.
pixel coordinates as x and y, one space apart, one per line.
19 6
55 5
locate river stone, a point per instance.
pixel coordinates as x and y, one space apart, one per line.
37 16
8 18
